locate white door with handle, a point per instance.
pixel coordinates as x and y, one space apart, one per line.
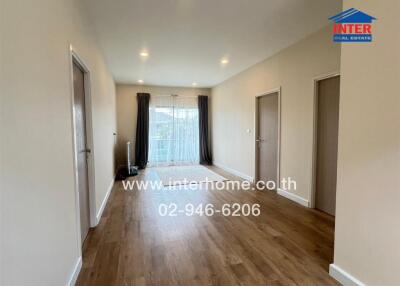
82 150
267 141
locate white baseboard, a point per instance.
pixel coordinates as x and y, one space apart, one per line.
343 277
103 204
293 197
75 272
234 172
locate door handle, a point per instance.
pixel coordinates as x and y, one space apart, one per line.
88 151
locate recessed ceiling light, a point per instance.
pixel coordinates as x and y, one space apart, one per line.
194 84
224 61
140 81
144 54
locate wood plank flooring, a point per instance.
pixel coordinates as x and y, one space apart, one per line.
133 245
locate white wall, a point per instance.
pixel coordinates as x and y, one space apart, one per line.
233 108
367 233
39 223
127 111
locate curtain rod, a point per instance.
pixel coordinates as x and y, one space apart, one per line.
165 95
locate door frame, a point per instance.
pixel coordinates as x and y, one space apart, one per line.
74 57
256 132
316 80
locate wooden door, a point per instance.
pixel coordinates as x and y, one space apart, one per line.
81 148
267 141
328 91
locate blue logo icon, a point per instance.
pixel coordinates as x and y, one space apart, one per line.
352 25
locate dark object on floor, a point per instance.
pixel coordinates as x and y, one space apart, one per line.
124 173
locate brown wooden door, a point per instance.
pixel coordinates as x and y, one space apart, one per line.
327 144
81 148
267 141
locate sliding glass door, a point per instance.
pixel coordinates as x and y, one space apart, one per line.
174 131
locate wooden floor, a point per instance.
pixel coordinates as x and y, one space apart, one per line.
133 245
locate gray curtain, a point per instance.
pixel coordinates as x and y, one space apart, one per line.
205 150
142 130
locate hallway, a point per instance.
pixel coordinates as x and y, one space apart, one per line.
133 245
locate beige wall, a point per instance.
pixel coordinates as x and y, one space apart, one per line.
233 108
127 111
39 222
367 242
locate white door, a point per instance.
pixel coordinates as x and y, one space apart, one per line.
267 141
81 148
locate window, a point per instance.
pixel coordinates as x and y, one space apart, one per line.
174 131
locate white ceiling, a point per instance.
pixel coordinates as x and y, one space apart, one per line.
186 39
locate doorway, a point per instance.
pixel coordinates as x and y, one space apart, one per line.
327 123
82 151
267 137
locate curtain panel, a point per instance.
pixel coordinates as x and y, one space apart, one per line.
204 142
142 130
